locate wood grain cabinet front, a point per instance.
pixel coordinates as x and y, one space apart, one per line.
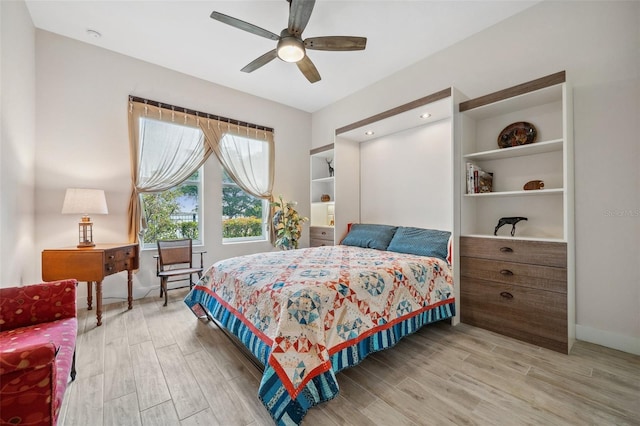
321 236
517 288
120 259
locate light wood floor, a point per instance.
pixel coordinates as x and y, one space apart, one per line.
162 366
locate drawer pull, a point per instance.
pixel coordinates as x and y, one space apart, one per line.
506 249
111 257
506 272
324 233
506 295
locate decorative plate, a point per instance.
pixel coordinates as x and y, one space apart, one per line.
516 134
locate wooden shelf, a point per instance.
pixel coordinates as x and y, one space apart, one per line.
509 100
323 180
517 151
517 193
516 238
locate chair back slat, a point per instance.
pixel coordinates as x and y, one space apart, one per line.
173 252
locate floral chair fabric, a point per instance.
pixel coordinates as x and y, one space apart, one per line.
38 329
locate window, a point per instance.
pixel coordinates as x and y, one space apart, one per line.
169 153
169 147
174 213
244 217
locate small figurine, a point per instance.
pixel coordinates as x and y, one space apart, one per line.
329 161
509 221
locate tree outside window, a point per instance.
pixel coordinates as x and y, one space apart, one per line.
173 213
243 215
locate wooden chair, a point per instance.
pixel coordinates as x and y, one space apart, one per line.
175 260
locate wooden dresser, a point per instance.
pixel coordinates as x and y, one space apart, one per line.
92 264
517 288
321 236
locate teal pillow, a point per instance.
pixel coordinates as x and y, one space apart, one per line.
423 242
369 236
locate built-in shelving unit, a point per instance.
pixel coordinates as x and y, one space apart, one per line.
322 184
333 206
549 210
521 285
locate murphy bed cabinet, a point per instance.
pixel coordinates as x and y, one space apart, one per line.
334 196
522 286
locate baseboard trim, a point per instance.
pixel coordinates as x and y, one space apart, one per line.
609 339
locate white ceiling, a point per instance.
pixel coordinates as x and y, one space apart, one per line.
180 35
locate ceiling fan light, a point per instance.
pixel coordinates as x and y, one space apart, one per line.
290 49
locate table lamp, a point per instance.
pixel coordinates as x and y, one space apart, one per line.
84 201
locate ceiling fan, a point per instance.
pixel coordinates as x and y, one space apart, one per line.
291 47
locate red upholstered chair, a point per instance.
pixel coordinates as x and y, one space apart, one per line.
38 329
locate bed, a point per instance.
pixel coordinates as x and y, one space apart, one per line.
307 314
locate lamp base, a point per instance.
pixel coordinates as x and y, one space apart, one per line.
85 233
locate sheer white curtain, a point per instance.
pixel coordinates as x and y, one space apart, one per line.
166 148
247 162
247 156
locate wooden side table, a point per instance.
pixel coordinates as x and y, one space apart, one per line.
92 264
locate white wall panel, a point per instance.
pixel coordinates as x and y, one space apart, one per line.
406 178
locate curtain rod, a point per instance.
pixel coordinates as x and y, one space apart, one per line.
199 113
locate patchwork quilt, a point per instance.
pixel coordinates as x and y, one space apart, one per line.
309 313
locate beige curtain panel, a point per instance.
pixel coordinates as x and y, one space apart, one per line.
168 146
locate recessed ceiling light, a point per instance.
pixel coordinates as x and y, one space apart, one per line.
425 115
369 133
93 33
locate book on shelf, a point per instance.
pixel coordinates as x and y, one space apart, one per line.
478 180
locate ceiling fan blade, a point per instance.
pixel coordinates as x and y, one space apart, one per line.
234 22
262 60
308 69
336 43
299 14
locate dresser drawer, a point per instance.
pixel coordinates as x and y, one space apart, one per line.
119 254
535 316
321 233
520 274
115 267
120 259
522 251
314 242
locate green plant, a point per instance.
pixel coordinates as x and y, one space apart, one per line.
239 227
287 224
189 230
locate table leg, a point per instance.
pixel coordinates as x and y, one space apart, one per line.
130 287
99 302
89 294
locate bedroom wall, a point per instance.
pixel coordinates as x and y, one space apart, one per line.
597 44
17 146
397 184
82 140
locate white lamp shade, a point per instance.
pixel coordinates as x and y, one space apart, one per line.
84 201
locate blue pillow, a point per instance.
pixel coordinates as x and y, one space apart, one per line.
369 236
423 242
